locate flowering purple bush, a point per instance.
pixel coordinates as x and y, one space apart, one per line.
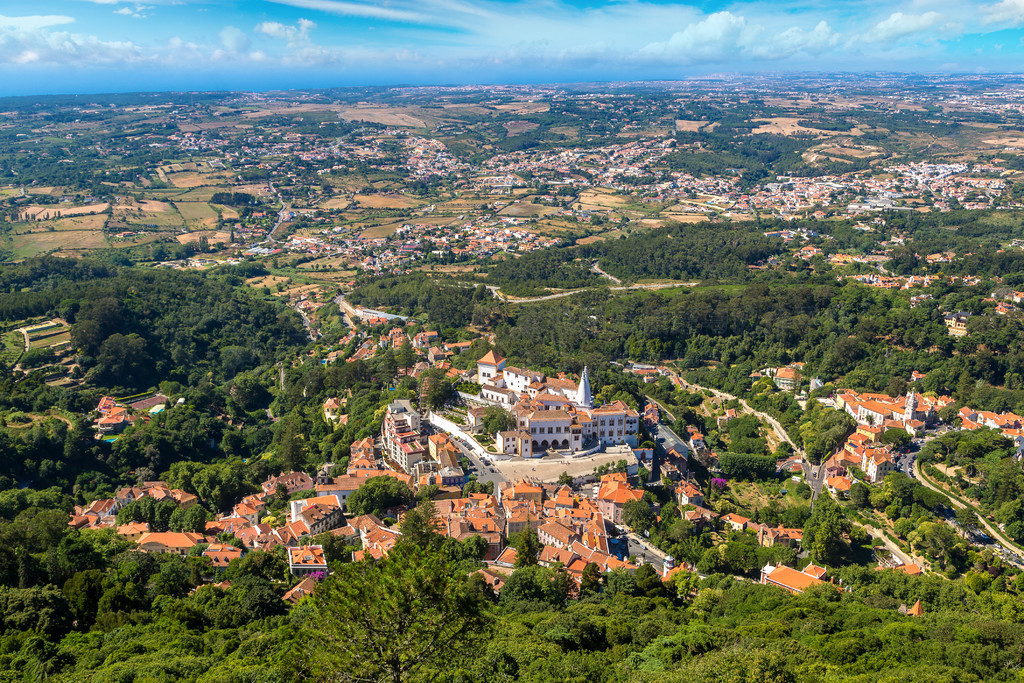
719 484
317 576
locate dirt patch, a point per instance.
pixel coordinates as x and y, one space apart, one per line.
683 125
335 203
77 223
523 107
591 200
212 236
153 206
687 217
783 125
519 127
253 189
1005 141
856 152
266 281
385 201
528 210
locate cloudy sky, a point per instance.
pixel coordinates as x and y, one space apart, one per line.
62 46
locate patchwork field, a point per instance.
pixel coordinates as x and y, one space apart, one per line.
388 116
37 211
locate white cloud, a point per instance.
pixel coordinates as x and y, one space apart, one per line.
899 25
33 22
62 47
294 36
716 37
357 9
795 39
1006 11
724 36
138 13
234 39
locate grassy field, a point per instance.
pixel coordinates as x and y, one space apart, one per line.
528 210
197 214
382 230
52 338
13 347
49 211
32 244
750 496
335 203
199 194
60 224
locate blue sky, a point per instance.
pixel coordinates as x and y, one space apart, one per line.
62 46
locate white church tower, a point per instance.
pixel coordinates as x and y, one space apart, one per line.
910 408
583 397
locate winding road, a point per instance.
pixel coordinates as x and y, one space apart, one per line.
1010 552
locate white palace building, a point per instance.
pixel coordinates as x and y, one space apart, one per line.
552 413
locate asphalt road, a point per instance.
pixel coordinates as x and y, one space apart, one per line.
645 552
814 475
1008 552
667 439
483 471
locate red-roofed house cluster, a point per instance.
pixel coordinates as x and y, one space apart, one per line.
115 416
103 512
1010 424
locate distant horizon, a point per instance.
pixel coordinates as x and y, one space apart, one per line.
116 46
622 82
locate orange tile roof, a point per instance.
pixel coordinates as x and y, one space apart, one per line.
792 579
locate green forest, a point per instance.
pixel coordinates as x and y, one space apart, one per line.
92 609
